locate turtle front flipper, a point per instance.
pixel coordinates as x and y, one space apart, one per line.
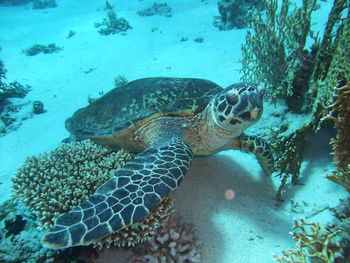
259 147
131 194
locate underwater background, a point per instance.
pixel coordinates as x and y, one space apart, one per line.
59 56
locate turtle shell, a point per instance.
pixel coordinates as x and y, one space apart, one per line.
126 108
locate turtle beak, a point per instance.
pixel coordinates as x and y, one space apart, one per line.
255 114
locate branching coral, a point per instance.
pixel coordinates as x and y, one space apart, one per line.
340 114
274 52
57 181
10 90
332 63
112 24
173 243
290 159
314 244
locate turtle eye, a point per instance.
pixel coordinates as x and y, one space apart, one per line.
232 99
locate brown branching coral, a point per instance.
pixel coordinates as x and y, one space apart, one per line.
314 244
290 158
56 182
274 52
340 115
332 67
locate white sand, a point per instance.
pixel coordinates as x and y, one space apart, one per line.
248 228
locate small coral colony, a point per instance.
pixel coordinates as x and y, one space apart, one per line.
307 70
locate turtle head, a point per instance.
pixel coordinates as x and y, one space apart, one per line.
238 106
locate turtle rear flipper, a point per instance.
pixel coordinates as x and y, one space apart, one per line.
131 194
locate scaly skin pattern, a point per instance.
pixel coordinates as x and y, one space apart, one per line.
132 193
258 146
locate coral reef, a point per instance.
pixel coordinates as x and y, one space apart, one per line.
55 182
175 242
19 236
275 51
314 244
235 13
157 9
290 150
10 90
113 24
332 63
38 48
42 4
340 115
20 239
8 109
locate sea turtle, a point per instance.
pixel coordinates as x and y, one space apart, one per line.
165 120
